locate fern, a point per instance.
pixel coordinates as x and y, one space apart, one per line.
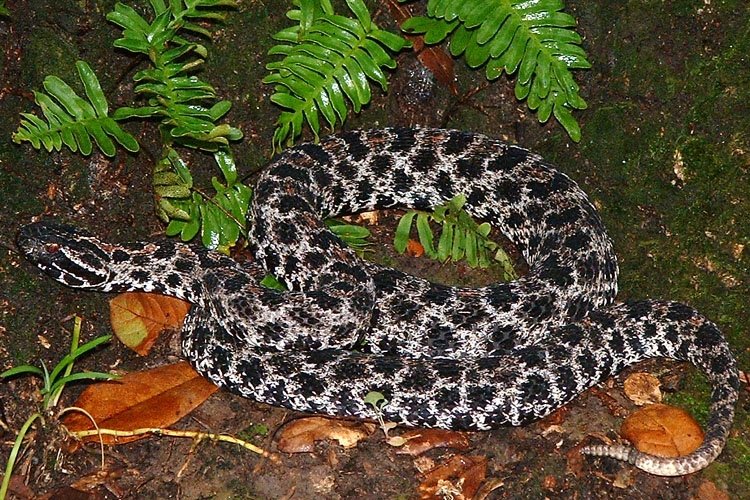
175 95
71 120
460 237
354 236
185 106
219 219
327 60
530 38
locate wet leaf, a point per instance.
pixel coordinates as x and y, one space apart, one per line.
643 388
299 436
458 478
138 318
419 441
662 430
152 398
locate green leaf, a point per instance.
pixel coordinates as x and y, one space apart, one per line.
330 57
22 370
270 281
401 238
425 234
225 161
359 9
92 88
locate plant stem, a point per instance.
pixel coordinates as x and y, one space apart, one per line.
14 453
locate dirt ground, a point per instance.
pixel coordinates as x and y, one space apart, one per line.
665 156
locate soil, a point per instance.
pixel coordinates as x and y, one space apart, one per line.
665 156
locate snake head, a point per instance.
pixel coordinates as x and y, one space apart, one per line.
69 255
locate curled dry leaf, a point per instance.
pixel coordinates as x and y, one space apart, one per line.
419 441
154 398
414 248
662 430
459 478
138 318
643 388
299 436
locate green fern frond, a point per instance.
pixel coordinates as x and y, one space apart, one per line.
175 96
71 120
531 38
461 238
327 60
218 219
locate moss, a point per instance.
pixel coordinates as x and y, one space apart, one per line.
694 398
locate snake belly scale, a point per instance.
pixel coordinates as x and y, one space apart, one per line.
458 358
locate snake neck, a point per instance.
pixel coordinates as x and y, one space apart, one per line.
174 269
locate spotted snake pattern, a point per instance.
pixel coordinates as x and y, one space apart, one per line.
458 358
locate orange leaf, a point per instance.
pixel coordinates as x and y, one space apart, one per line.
152 398
419 441
138 318
414 248
299 436
662 430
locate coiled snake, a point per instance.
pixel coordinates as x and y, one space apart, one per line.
444 357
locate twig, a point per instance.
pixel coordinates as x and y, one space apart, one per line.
177 433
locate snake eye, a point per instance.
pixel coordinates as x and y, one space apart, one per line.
51 247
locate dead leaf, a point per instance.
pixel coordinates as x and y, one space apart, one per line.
419 441
138 318
299 436
151 398
459 478
372 217
643 388
662 430
414 248
614 407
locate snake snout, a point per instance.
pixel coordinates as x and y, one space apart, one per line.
45 237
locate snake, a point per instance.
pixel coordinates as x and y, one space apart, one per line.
460 358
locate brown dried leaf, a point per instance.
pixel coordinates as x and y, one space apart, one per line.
414 248
151 398
138 318
662 430
643 388
459 478
440 64
299 436
419 441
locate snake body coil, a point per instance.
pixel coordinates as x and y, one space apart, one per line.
444 357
